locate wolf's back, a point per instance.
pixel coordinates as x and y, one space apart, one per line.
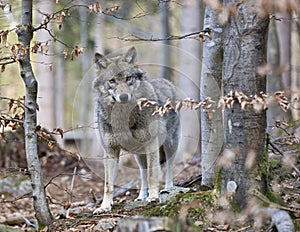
164 90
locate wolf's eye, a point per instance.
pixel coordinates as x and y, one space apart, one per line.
128 78
112 81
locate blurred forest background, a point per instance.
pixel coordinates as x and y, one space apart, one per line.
64 101
169 39
64 98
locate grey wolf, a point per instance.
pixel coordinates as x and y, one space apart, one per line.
123 126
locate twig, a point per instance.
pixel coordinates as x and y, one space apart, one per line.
111 215
276 148
188 182
72 184
261 197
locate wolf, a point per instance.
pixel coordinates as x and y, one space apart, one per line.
120 82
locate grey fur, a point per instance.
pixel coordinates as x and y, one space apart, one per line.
120 82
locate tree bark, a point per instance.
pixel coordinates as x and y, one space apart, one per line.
25 33
211 79
244 51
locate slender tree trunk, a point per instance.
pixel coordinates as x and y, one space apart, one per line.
244 52
284 31
211 79
189 78
295 67
59 89
166 71
25 33
46 96
274 82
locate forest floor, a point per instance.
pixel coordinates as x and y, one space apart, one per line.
72 204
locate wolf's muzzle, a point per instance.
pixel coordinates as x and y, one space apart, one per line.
124 98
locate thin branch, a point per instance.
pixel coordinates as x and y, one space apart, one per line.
171 37
12 120
56 39
72 184
9 58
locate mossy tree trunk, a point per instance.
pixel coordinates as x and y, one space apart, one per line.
244 51
25 33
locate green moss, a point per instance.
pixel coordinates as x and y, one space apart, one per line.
196 204
264 167
218 181
275 198
235 207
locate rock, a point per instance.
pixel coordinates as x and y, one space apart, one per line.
15 185
6 228
140 224
166 194
106 224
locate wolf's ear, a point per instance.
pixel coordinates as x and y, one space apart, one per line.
101 61
130 55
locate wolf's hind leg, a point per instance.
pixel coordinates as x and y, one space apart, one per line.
169 148
110 169
142 162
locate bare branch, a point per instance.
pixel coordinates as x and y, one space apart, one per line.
171 37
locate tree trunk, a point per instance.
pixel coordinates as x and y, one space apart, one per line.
189 78
25 33
166 71
274 82
244 51
46 95
295 70
211 79
284 31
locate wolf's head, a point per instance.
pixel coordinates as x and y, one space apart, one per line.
117 77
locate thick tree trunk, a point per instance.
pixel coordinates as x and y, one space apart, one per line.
25 33
244 51
211 78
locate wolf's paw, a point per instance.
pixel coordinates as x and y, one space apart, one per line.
102 209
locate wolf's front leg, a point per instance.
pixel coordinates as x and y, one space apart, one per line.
153 169
142 162
110 169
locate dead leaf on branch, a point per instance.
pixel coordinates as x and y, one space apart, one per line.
65 53
59 131
95 8
5 7
3 37
256 102
76 51
205 33
52 144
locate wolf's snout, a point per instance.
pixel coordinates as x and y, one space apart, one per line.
124 98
